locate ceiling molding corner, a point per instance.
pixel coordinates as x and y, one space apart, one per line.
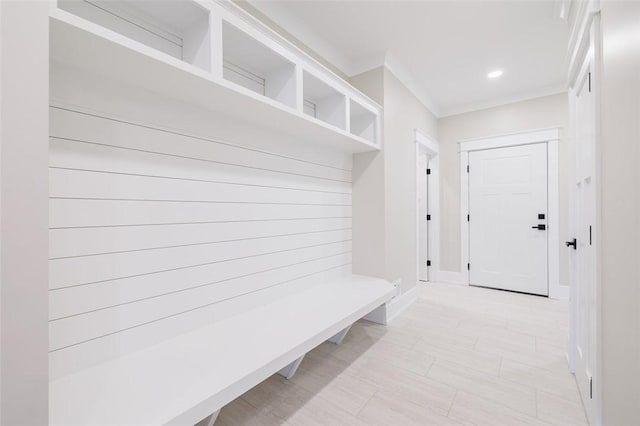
280 16
407 78
367 63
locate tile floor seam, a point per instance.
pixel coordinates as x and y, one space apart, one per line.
455 395
480 395
448 318
366 403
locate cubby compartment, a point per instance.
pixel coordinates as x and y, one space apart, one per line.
252 65
362 122
178 28
323 102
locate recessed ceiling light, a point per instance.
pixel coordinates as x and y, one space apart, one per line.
494 74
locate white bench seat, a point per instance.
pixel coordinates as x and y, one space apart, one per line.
187 378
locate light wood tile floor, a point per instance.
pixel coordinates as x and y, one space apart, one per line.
458 356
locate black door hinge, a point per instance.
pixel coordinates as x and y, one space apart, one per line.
590 387
467 168
468 218
428 217
428 263
468 266
428 171
589 81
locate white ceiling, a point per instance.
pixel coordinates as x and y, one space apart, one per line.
442 50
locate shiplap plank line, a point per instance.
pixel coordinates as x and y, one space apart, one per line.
85 156
154 127
203 243
101 131
154 232
81 213
71 301
74 242
81 184
72 272
91 326
71 359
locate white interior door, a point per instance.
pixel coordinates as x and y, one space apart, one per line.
423 223
507 223
582 224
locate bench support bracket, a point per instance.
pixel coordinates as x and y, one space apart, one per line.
291 369
338 338
210 420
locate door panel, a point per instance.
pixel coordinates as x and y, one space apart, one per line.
507 192
423 224
583 220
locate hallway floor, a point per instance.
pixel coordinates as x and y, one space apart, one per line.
459 355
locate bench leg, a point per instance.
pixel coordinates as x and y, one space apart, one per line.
208 421
291 369
338 338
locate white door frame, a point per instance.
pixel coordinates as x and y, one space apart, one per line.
549 136
429 146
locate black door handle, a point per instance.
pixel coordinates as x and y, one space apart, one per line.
540 227
573 243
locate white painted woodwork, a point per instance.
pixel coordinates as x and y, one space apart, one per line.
209 367
155 232
288 371
583 227
177 28
251 64
339 337
548 137
209 420
363 121
423 211
507 192
328 103
193 205
216 57
427 194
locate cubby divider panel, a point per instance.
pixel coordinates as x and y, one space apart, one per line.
253 65
324 102
362 122
178 28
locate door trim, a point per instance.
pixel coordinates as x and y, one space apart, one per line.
551 137
429 146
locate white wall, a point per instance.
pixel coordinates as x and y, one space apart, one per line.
163 213
620 139
369 239
403 113
548 111
24 93
384 203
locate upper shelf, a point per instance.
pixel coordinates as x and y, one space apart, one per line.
203 54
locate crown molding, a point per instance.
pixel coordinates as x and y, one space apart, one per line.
519 97
352 67
281 17
406 77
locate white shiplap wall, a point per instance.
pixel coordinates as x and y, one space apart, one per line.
154 232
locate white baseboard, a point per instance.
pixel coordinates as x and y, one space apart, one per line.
560 292
452 277
390 310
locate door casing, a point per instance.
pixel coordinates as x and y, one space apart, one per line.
551 137
425 145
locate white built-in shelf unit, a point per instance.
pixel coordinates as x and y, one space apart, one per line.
213 54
